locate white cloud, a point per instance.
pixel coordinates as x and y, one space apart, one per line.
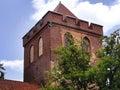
16 65
108 16
41 7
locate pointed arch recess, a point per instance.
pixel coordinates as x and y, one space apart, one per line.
86 44
31 54
40 46
68 37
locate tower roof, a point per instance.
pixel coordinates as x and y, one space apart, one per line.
63 10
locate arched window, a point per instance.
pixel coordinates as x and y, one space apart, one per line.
86 44
40 46
31 54
68 39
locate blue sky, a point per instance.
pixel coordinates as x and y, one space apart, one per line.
14 23
18 16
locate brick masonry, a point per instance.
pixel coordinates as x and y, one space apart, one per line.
17 85
52 28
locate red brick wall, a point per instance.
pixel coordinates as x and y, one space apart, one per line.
57 33
17 85
52 28
35 72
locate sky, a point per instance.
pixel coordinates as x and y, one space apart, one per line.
17 17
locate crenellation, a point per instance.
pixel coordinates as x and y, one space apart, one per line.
84 24
62 19
27 36
96 28
41 22
77 22
57 17
71 20
33 31
37 26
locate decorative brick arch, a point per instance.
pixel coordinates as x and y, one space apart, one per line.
31 53
86 43
67 37
40 46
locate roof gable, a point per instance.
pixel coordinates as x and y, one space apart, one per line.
63 10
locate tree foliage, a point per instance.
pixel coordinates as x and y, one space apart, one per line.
73 66
2 71
72 70
108 74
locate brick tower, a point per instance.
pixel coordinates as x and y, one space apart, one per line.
49 33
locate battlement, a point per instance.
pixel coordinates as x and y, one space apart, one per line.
57 18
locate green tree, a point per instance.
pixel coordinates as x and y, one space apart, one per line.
2 71
108 69
71 70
